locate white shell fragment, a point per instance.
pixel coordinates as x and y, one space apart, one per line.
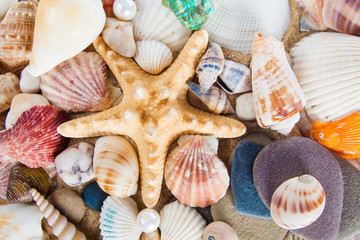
9 87
245 107
235 78
148 219
28 83
124 9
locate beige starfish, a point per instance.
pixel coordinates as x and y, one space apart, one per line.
154 111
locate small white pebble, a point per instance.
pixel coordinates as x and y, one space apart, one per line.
245 107
28 83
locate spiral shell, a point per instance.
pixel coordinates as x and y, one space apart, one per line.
219 231
235 78
9 87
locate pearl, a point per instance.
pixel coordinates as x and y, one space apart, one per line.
124 9
148 219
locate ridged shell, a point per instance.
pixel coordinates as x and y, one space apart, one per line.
156 22
108 7
5 5
22 178
152 56
116 166
327 66
16 36
118 219
34 140
235 78
297 202
277 93
219 231
234 24
9 87
179 221
78 84
194 173
61 227
4 179
314 8
67 34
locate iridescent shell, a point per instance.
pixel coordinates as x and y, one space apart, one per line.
194 173
116 166
4 179
235 78
9 87
219 231
297 202
34 140
108 7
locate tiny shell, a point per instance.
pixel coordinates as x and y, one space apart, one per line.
245 107
9 87
235 78
219 231
4 179
297 202
28 83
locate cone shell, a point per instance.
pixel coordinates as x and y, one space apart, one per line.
194 173
235 78
219 231
34 140
118 219
152 56
4 179
116 166
179 221
297 202
9 87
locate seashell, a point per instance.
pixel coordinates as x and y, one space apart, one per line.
297 202
219 231
34 140
245 107
5 5
22 178
210 66
67 35
124 10
235 78
156 22
20 104
119 36
28 83
194 173
9 87
192 14
179 221
355 162
151 236
215 99
108 7
327 67
16 36
148 219
152 56
291 236
315 9
234 24
61 227
277 93
116 166
118 219
4 179
79 84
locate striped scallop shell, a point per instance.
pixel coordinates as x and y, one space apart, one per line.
116 166
234 24
9 87
297 202
314 8
179 221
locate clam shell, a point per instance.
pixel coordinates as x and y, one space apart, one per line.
179 221
297 202
5 5
152 56
9 87
156 22
219 231
194 173
234 24
116 166
4 179
67 34
235 78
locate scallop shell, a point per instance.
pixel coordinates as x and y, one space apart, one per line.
9 87
79 84
277 93
315 9
5 5
34 140
108 7
116 166
219 231
118 219
235 78
67 34
194 173
179 221
297 202
156 22
61 227
234 24
152 56
4 179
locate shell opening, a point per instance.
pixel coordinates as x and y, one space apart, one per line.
306 179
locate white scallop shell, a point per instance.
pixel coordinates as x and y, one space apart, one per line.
9 87
234 24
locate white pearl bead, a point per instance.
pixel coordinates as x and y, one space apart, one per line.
124 9
148 219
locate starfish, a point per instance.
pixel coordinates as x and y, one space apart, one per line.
153 112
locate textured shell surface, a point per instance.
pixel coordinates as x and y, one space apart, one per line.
9 87
67 35
194 173
234 24
4 179
5 5
291 236
219 231
118 219
327 66
179 221
156 22
235 78
116 166
297 202
314 8
152 56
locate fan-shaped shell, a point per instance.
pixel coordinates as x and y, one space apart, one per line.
235 78
9 87
234 24
116 166
179 221
297 202
219 231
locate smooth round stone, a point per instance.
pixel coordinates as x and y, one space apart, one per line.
28 83
94 196
148 219
295 156
124 9
245 107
